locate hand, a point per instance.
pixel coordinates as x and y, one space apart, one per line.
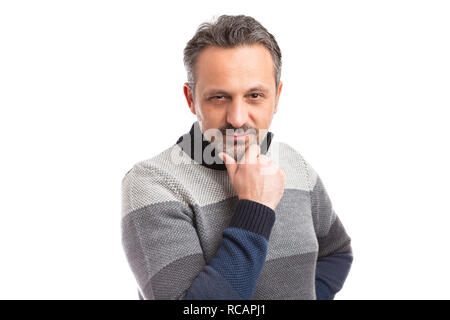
255 177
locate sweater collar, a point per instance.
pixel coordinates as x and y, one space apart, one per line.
194 144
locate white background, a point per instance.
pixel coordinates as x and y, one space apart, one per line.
88 88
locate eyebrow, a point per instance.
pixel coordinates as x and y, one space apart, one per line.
211 92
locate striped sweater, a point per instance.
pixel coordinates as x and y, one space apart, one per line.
186 235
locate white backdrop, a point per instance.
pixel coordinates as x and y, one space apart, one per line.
88 88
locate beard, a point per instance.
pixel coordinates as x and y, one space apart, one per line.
221 142
235 149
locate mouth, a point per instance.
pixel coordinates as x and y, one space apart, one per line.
240 137
237 137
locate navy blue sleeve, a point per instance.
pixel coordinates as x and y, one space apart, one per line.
335 254
331 272
234 271
323 292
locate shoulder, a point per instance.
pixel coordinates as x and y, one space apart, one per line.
151 181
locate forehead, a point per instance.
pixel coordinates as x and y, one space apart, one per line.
243 67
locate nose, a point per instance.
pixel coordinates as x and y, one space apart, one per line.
237 113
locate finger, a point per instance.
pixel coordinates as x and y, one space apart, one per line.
251 154
263 159
230 163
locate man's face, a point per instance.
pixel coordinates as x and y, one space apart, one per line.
235 93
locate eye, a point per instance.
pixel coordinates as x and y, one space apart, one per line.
256 95
216 97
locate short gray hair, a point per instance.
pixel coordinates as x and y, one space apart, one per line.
228 32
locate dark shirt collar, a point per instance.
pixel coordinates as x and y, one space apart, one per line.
187 143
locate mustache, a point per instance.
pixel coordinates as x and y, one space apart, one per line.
243 129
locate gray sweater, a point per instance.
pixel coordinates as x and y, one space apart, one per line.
186 235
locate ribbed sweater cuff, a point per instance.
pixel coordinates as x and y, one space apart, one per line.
253 216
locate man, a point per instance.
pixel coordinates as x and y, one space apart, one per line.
215 216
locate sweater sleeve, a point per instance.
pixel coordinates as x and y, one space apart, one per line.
164 252
241 256
335 252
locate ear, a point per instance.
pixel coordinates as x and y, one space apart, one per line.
280 86
189 97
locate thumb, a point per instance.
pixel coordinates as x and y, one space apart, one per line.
230 163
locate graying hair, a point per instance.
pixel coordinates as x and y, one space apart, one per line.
228 32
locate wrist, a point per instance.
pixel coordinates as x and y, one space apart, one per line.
253 216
